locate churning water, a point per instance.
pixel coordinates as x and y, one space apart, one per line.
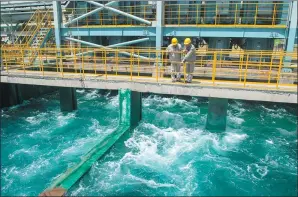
169 153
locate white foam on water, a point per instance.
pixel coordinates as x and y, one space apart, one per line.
36 167
150 183
95 127
79 146
113 102
80 91
269 141
92 95
234 138
191 113
64 119
267 109
15 107
257 171
287 133
4 115
268 160
238 106
79 190
42 132
235 120
36 120
167 102
278 113
28 151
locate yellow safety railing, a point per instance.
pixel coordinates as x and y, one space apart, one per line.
209 13
248 69
262 14
27 28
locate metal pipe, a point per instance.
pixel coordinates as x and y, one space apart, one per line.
120 44
129 42
120 12
107 48
89 13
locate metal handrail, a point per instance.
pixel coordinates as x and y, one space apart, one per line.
28 22
244 69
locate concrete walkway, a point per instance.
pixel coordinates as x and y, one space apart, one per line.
201 88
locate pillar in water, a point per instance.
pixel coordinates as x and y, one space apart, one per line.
217 114
68 99
130 103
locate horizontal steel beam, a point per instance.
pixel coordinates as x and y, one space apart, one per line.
120 12
178 31
225 32
120 31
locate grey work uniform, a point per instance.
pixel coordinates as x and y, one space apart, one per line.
190 59
175 59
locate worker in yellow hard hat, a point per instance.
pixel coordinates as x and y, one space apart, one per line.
174 51
189 58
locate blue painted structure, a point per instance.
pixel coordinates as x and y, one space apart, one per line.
159 30
230 32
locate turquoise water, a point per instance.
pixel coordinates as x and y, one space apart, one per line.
169 153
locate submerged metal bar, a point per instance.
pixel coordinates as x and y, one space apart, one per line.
89 13
120 12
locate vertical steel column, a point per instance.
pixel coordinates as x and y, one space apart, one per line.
159 36
291 35
292 28
68 99
159 24
57 22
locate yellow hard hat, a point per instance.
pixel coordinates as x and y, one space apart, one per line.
187 41
174 41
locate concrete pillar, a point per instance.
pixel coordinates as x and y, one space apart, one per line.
68 99
217 114
10 95
15 94
130 103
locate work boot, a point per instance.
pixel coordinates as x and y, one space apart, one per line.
174 80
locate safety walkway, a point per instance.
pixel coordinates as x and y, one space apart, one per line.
247 70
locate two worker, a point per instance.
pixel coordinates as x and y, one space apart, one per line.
174 50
